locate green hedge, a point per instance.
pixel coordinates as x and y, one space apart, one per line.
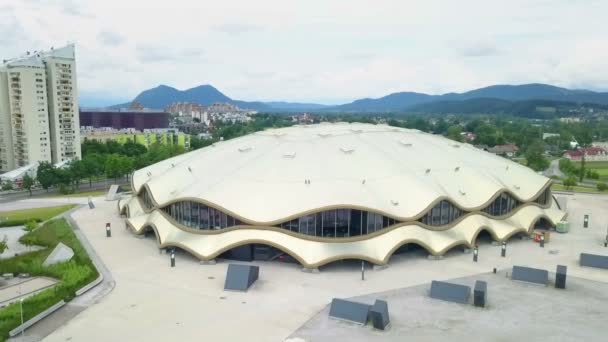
12 223
73 275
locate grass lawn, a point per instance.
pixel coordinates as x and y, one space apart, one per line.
561 187
19 217
73 274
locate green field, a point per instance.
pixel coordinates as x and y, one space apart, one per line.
19 217
601 167
73 274
561 187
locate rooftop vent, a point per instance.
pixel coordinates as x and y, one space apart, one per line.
462 192
363 181
279 134
347 150
394 202
245 149
356 130
289 155
427 171
516 187
507 168
405 143
189 169
324 135
457 169
456 145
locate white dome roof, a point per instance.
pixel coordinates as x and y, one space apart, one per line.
269 176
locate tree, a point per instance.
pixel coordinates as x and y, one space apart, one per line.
46 175
454 133
28 182
535 156
8 185
93 166
570 182
602 186
3 244
117 166
582 171
77 171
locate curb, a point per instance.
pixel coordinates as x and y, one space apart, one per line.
36 318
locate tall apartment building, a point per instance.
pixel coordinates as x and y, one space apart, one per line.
39 109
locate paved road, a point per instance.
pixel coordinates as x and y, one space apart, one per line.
41 193
554 170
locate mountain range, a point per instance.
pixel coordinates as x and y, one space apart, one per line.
163 95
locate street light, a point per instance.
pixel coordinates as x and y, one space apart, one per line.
21 312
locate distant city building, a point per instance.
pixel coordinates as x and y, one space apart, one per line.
38 108
507 150
121 119
303 118
191 109
590 153
469 136
147 137
549 135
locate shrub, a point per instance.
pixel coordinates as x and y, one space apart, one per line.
570 182
602 186
31 225
20 222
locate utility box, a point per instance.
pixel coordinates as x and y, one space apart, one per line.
562 227
560 277
480 293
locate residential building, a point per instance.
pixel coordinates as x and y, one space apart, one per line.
507 150
590 153
38 104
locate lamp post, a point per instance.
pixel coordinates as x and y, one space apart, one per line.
503 252
542 240
362 270
475 253
586 221
173 258
108 230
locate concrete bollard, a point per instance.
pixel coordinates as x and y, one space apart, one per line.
475 253
586 221
503 252
172 258
108 230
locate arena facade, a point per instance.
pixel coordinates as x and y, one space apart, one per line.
327 192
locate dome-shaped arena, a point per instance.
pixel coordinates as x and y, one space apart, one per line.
326 192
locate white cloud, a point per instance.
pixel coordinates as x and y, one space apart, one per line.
317 50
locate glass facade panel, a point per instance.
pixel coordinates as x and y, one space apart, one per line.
502 205
336 222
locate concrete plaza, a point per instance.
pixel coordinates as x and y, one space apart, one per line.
154 302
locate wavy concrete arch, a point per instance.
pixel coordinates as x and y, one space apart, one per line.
290 217
483 229
377 250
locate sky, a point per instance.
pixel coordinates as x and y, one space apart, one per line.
323 51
